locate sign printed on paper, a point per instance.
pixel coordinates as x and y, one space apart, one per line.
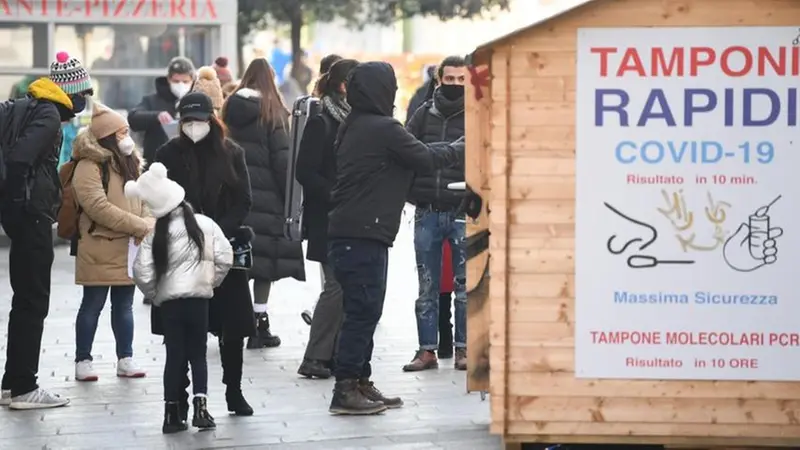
685 235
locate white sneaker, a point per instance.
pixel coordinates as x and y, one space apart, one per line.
38 399
84 371
127 368
5 397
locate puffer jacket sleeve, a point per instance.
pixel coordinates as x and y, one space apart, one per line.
223 254
144 274
278 147
90 194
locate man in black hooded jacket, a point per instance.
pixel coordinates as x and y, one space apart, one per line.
376 160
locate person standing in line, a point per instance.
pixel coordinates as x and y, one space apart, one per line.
178 266
439 119
208 83
159 108
211 169
316 172
155 110
376 161
29 203
446 288
324 66
223 73
258 121
106 159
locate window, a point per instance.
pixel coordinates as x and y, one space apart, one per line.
125 46
24 45
122 92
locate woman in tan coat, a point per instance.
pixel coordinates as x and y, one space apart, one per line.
106 159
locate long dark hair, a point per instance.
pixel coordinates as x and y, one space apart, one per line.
222 157
161 238
260 76
329 82
128 165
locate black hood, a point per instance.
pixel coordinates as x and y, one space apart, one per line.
372 88
163 90
242 110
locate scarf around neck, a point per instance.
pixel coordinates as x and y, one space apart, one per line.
336 106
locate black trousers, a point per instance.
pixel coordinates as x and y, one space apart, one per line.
360 266
231 352
185 322
30 260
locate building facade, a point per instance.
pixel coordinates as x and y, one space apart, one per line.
124 44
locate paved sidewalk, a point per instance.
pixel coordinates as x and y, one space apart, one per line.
291 412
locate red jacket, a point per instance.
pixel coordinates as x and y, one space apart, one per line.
446 280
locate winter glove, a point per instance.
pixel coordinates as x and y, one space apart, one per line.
471 204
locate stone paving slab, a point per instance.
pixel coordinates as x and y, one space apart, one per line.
291 412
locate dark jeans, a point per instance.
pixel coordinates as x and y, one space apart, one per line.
360 266
327 319
94 299
30 260
185 335
430 230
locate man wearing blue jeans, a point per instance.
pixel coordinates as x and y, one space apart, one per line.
376 160
439 119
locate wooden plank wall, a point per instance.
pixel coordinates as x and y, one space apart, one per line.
478 122
535 396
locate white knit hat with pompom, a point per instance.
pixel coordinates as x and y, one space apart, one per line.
159 193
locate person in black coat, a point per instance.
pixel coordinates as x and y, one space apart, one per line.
159 108
316 172
376 159
258 121
423 93
212 171
440 119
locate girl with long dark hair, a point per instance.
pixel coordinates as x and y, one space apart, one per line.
258 121
103 159
211 169
178 266
316 172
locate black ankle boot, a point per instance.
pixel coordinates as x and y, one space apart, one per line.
237 405
264 338
314 369
172 419
202 419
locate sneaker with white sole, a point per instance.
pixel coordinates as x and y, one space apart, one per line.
5 397
127 368
38 399
84 371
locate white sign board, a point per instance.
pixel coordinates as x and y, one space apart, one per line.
687 256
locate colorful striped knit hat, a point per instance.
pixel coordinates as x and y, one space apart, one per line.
69 74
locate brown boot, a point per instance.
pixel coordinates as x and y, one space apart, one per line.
423 360
461 359
348 399
372 393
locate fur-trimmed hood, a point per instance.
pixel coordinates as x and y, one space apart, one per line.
86 146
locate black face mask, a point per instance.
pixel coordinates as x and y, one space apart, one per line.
452 91
78 103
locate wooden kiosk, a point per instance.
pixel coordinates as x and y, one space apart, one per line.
521 148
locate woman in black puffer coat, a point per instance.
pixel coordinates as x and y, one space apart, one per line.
258 122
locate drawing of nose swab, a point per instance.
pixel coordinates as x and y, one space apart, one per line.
760 231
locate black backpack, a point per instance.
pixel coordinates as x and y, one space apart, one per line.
12 118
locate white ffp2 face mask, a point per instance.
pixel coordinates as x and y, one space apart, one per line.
196 131
126 145
179 89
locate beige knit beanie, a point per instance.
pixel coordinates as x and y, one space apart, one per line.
105 121
208 83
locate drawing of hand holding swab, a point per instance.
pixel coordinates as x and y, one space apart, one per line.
753 245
